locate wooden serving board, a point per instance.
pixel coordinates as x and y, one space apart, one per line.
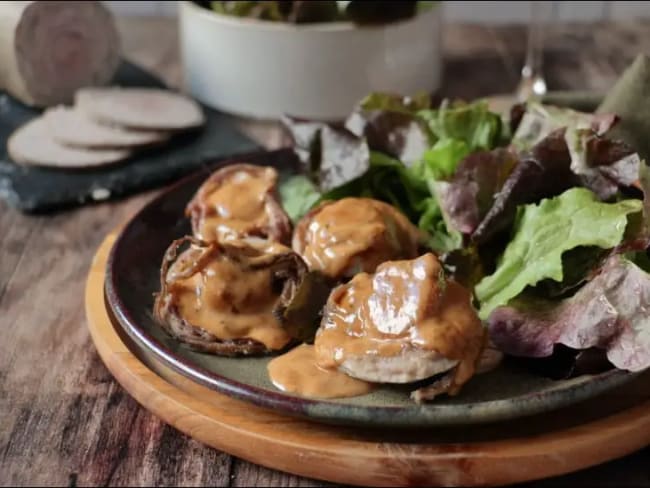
610 426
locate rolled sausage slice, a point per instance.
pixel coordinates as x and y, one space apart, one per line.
33 144
72 127
48 50
222 298
239 200
140 108
344 237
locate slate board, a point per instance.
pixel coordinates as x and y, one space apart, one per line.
37 190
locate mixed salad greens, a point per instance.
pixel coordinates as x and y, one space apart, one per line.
316 11
542 212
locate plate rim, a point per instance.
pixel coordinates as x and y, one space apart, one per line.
334 412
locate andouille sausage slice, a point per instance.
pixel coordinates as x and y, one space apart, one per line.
239 200
72 127
140 108
34 144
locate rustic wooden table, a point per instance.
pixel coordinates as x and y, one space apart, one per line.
64 420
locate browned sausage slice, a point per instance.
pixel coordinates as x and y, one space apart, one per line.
223 298
236 201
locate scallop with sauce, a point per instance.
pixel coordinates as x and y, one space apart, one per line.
402 324
223 298
239 201
352 235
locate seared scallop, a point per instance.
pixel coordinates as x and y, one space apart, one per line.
352 235
239 201
223 298
404 323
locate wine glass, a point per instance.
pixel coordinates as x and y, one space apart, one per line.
532 83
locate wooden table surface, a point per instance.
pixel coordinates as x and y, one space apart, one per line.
65 421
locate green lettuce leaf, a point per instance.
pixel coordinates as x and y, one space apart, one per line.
394 149
277 11
298 195
577 264
396 103
601 164
441 239
541 120
460 129
608 313
440 162
543 232
247 8
474 124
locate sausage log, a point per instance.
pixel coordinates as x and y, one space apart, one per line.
50 49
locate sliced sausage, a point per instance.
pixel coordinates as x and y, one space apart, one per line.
33 144
140 108
72 127
48 50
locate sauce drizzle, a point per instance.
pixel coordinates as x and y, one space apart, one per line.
354 235
230 302
297 372
236 207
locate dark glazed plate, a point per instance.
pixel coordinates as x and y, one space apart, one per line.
133 277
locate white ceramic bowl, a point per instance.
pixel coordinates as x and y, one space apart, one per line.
266 69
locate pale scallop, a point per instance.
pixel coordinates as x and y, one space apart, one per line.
412 365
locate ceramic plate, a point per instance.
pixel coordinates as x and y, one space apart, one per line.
133 277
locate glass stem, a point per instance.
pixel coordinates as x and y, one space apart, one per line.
532 79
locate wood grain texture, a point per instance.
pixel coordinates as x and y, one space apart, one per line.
575 437
64 420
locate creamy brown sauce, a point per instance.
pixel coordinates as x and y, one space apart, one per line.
236 207
405 304
355 234
297 372
263 245
230 302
